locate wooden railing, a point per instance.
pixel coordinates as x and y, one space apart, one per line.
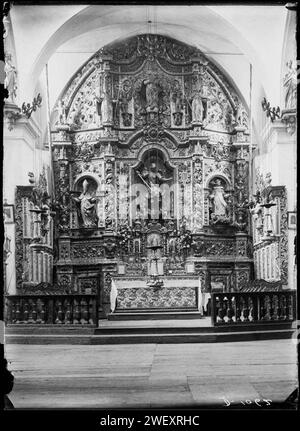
52 309
253 307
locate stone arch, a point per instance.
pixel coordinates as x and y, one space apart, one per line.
86 175
217 174
88 75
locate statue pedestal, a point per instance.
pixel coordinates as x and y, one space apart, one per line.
12 113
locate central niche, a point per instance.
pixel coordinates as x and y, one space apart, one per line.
153 187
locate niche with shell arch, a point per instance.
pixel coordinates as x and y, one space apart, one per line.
86 202
219 200
153 168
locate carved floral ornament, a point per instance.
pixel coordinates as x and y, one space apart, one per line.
142 82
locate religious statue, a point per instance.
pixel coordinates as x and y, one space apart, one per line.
61 117
10 81
197 108
104 102
125 100
150 94
86 207
241 116
290 84
153 175
177 104
74 115
219 204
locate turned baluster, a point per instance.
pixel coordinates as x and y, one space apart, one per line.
283 307
275 307
84 311
221 310
91 311
280 308
11 318
271 307
76 314
33 311
230 310
30 319
245 310
59 312
238 311
262 307
251 309
18 312
25 311
289 308
68 314
40 311
268 307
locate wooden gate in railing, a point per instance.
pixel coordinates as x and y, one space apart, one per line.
231 308
52 309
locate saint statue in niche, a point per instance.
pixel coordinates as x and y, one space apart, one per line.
86 207
149 94
125 102
153 175
218 202
197 108
177 104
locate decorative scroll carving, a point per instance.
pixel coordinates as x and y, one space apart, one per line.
87 251
107 285
220 247
109 198
84 151
88 285
241 193
21 192
162 90
62 195
197 194
149 95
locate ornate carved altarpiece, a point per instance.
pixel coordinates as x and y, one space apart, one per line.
150 110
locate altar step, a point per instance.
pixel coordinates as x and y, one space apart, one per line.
140 332
154 315
191 337
185 331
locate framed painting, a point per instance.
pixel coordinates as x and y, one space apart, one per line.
8 213
292 219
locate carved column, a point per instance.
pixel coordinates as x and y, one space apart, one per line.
106 107
110 193
122 180
185 192
198 193
241 193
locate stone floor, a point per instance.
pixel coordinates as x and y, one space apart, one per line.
151 375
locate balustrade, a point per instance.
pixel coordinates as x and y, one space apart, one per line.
253 307
52 309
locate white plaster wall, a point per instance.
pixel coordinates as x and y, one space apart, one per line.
263 26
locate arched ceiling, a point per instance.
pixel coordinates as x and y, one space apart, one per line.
66 36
